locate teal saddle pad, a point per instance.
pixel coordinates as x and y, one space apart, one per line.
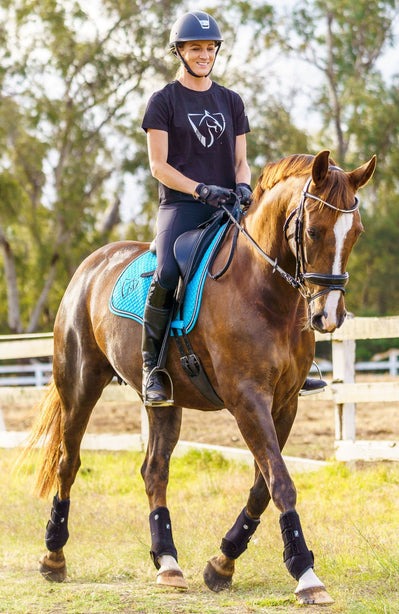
131 288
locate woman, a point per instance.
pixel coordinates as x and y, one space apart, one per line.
197 150
196 136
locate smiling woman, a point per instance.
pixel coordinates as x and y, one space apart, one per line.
196 134
198 57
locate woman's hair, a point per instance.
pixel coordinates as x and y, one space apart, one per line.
180 68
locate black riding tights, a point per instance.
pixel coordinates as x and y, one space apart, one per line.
172 221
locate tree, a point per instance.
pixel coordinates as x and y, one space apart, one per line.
357 100
73 85
68 82
344 41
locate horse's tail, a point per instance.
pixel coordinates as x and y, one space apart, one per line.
47 426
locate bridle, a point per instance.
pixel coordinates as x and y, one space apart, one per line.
330 282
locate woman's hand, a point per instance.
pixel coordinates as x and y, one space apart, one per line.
212 194
244 193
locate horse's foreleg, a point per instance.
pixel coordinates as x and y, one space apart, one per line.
164 431
299 562
273 482
218 574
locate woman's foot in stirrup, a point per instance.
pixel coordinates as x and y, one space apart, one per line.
154 392
312 386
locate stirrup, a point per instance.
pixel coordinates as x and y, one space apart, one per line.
166 402
317 386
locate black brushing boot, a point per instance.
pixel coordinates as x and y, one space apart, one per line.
156 317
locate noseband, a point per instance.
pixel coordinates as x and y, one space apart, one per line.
329 281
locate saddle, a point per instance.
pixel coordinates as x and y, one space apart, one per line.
190 247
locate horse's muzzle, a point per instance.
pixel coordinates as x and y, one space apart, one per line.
324 323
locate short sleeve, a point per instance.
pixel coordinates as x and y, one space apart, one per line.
156 115
241 117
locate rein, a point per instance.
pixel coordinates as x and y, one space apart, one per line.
329 281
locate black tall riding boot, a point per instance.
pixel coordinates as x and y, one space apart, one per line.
156 316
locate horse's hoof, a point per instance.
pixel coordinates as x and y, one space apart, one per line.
215 577
53 570
173 578
314 596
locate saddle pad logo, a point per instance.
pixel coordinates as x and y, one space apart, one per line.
207 127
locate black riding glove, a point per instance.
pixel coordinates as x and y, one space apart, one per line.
212 194
244 193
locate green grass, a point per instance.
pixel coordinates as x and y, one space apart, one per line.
350 519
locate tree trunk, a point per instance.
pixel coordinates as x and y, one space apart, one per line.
10 275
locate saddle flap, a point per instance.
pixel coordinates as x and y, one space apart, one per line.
190 247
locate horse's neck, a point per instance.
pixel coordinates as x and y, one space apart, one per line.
266 219
265 224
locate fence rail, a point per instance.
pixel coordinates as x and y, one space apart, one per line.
39 373
343 390
34 374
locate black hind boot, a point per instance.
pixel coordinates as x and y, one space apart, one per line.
156 317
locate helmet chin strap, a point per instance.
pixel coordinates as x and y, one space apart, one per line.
186 66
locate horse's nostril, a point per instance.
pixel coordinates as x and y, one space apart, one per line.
317 321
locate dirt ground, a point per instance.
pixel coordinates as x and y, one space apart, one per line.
312 435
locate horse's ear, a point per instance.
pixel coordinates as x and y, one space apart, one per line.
360 176
320 167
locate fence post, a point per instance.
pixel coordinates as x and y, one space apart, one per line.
343 358
393 364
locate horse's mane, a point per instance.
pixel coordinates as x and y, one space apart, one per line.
299 165
273 172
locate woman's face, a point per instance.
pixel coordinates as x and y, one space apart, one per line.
199 55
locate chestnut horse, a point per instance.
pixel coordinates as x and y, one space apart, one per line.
255 339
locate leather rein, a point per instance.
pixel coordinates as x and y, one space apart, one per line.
328 281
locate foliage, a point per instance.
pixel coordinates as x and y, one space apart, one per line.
74 80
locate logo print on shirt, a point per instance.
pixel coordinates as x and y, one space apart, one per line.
207 127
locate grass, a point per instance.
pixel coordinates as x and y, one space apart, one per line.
349 515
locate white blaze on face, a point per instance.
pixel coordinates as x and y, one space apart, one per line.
342 227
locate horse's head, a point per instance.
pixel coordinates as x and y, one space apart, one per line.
322 231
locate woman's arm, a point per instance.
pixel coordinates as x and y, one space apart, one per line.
243 172
157 143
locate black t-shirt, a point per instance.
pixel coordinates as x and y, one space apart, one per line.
202 128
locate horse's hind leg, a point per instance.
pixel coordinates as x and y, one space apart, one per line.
79 393
164 431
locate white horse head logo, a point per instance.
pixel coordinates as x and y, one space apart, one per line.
208 127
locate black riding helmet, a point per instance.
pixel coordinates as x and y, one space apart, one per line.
194 26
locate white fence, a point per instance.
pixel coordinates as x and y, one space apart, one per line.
343 390
34 374
39 373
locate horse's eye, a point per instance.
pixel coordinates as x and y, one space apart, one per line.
312 232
